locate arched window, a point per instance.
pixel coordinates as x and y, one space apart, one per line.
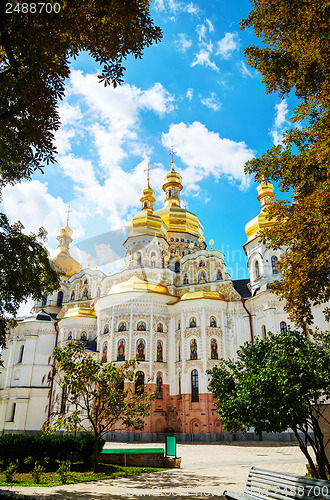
21 354
263 332
153 259
139 382
120 385
194 386
59 299
177 267
73 295
139 259
283 327
256 270
274 264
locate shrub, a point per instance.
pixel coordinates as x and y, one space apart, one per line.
63 469
10 471
36 472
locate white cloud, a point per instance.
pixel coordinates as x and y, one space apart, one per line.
69 114
246 72
175 7
206 153
227 45
183 43
62 140
32 204
212 102
203 58
281 122
209 25
189 94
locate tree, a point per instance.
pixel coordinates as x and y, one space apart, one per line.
276 384
25 270
295 57
95 395
37 43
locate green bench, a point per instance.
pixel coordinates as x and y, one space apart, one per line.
132 451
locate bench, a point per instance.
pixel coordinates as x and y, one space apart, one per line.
265 484
139 457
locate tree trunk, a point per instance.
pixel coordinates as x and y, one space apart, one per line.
95 455
304 449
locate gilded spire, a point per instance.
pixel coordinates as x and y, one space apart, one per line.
172 153
172 185
266 194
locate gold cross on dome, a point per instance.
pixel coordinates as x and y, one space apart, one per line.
148 170
68 211
172 153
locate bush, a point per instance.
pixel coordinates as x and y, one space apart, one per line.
36 472
10 471
63 470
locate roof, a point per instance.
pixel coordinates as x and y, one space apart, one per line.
241 287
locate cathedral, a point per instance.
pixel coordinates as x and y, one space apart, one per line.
173 307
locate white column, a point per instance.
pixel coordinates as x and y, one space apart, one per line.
151 343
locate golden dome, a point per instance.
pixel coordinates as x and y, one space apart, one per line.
66 232
63 262
203 294
146 222
266 196
180 220
80 312
136 284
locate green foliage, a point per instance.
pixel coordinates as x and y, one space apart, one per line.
295 57
95 395
37 471
63 470
46 450
275 385
10 471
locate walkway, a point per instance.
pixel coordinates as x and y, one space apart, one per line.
207 470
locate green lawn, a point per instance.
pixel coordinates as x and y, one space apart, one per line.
106 471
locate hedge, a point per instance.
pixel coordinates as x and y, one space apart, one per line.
53 447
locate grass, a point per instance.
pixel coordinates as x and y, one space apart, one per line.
106 471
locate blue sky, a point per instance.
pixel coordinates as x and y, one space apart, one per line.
192 91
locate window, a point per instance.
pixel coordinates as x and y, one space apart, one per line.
274 265
283 327
263 332
59 299
139 383
256 270
153 259
139 259
20 358
13 410
194 386
177 267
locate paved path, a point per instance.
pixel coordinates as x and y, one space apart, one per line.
207 470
